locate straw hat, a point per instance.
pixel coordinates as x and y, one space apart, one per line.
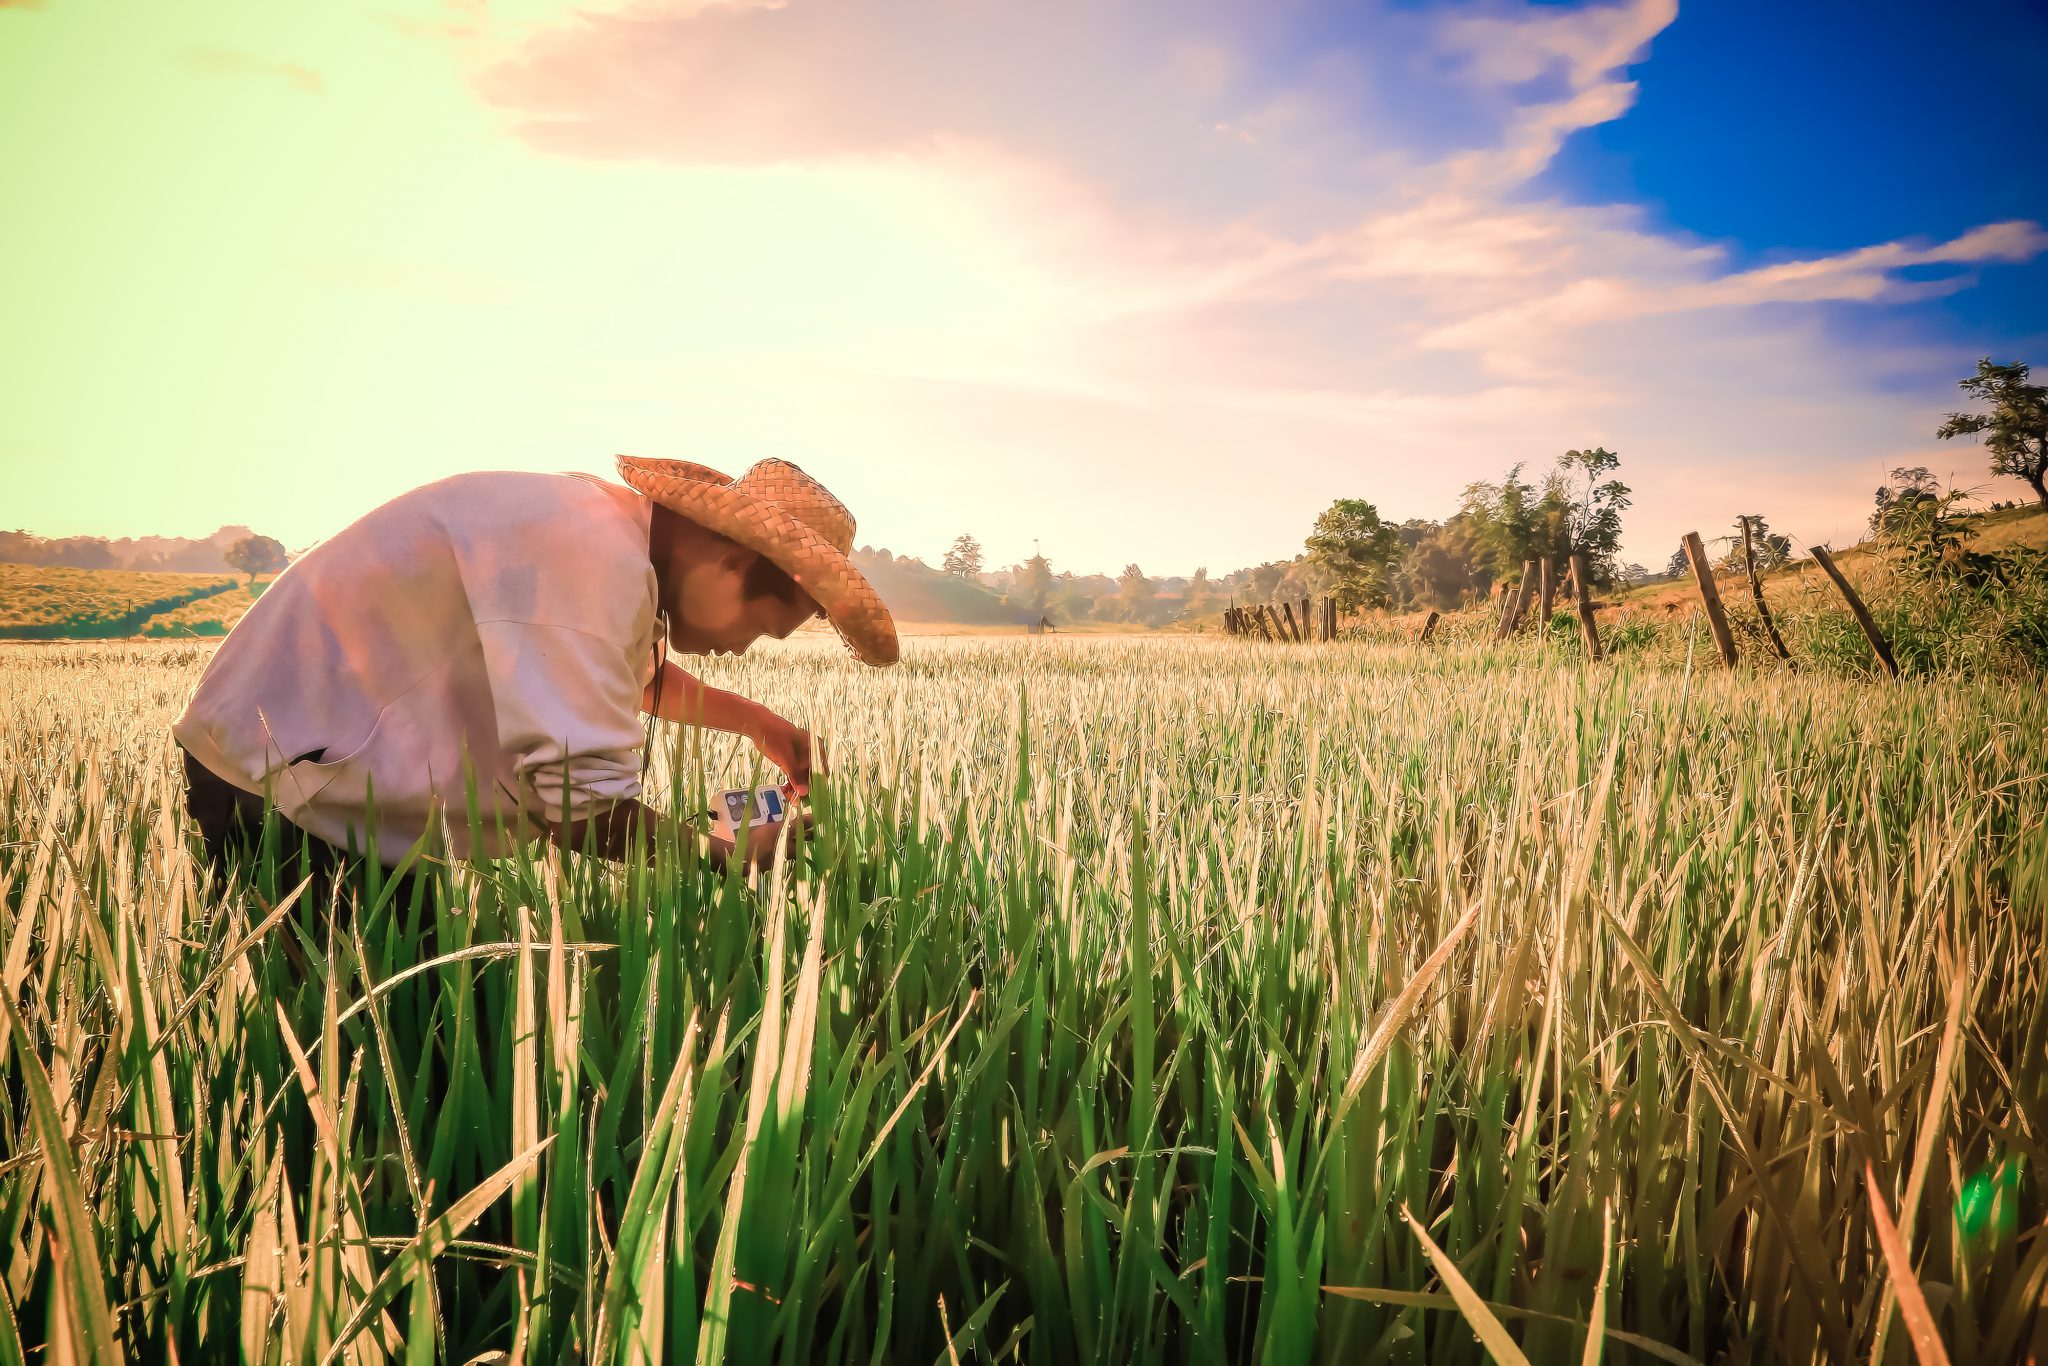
778 510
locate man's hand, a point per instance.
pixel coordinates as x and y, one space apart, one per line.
788 746
610 829
765 843
688 699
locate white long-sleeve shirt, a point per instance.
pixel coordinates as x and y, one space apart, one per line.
504 616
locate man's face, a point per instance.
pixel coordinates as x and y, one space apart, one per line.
711 612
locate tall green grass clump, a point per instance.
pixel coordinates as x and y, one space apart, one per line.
1139 1000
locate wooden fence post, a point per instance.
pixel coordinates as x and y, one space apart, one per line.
1756 590
1549 596
1287 615
1582 590
1703 573
1330 615
1862 613
1429 627
1517 601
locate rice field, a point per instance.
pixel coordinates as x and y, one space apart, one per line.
210 616
1148 1000
50 601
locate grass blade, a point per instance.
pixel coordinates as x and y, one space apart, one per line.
1898 1259
74 1246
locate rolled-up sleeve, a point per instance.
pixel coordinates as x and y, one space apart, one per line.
567 705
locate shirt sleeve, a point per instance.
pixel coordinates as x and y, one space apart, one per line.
567 705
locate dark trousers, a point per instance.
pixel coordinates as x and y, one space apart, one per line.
230 823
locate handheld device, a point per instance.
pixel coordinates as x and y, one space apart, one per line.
738 807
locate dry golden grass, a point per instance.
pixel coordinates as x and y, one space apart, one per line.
42 596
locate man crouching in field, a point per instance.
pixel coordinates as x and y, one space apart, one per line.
517 623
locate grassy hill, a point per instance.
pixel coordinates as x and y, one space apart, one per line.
918 594
55 602
209 616
2025 528
1926 629
1929 628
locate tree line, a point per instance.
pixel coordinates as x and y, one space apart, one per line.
235 548
1370 561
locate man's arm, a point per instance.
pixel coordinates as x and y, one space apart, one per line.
687 699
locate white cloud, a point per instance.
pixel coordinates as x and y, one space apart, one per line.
1254 247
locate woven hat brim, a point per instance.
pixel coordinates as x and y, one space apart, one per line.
850 603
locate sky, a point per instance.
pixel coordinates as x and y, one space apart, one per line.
1144 281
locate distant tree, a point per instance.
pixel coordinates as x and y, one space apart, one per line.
20 546
1309 577
1502 522
1432 575
1201 594
1679 564
2015 431
963 561
1632 574
1772 550
1134 595
1928 536
1593 515
1416 530
255 555
1356 552
1429 572
1900 503
1262 582
1035 585
85 552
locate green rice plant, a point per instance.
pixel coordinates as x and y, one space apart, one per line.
1138 1000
